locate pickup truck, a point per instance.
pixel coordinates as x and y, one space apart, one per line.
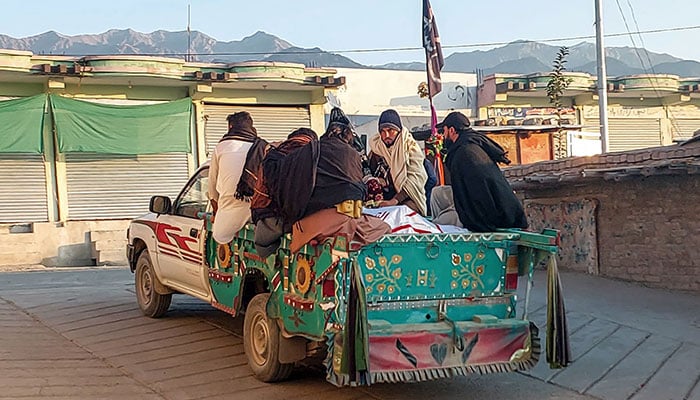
406 308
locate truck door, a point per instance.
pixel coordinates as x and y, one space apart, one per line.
181 238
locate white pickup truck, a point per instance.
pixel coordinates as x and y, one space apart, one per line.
405 308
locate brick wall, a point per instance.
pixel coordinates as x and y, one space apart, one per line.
648 228
647 217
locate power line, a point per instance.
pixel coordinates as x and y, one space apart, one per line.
674 124
399 49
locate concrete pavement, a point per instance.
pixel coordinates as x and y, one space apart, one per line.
627 341
79 334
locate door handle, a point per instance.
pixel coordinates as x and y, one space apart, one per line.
193 232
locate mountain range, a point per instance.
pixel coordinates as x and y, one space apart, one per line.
519 57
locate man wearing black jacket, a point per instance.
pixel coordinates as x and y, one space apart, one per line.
483 200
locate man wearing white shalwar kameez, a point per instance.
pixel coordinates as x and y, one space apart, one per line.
231 174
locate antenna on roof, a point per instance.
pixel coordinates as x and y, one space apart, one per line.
189 38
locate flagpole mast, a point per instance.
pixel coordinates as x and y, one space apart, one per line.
602 78
433 64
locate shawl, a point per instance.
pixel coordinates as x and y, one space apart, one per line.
253 159
290 175
483 198
405 159
339 175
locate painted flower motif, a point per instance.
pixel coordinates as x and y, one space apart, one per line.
396 259
381 287
480 255
390 289
369 277
454 285
369 289
382 261
456 259
474 284
480 270
396 273
369 263
467 257
465 283
455 273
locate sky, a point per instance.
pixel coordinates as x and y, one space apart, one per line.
464 25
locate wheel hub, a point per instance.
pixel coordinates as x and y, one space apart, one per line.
260 340
146 287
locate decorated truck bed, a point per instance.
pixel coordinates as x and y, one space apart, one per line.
406 308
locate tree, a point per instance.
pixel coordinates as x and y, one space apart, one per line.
558 82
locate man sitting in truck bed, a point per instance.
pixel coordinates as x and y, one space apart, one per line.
334 206
480 198
235 161
268 215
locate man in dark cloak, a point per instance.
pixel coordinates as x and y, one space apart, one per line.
274 182
331 204
483 199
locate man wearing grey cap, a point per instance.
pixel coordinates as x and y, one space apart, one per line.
482 199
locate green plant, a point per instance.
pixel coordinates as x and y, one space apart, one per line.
557 84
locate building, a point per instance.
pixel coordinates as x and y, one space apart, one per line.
643 110
88 140
368 92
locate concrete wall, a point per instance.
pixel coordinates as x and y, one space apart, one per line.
72 243
368 92
648 229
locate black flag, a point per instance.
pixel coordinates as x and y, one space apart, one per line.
433 50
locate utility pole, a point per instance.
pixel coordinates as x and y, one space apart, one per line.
602 77
189 39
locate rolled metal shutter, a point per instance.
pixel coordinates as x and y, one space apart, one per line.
23 188
111 186
272 122
684 128
631 134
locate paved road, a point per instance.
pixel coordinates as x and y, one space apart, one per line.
79 334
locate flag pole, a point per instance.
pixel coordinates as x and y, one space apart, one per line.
433 64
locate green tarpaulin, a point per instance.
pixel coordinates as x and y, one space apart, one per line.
82 126
21 124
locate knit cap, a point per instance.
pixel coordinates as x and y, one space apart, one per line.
390 119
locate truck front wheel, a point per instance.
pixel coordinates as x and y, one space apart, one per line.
261 342
152 303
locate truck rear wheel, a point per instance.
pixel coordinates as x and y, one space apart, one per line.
261 342
152 303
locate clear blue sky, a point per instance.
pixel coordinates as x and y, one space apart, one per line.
366 24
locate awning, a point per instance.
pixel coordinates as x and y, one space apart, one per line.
83 126
21 124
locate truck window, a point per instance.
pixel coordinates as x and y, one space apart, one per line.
193 198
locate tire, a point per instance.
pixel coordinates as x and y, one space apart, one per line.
261 342
152 304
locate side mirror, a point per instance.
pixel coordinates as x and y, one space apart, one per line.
160 205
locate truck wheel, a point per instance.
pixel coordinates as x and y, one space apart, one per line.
261 342
152 304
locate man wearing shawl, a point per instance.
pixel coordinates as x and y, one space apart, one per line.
232 176
482 198
330 204
397 160
266 208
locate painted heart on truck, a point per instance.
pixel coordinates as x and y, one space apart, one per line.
439 352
